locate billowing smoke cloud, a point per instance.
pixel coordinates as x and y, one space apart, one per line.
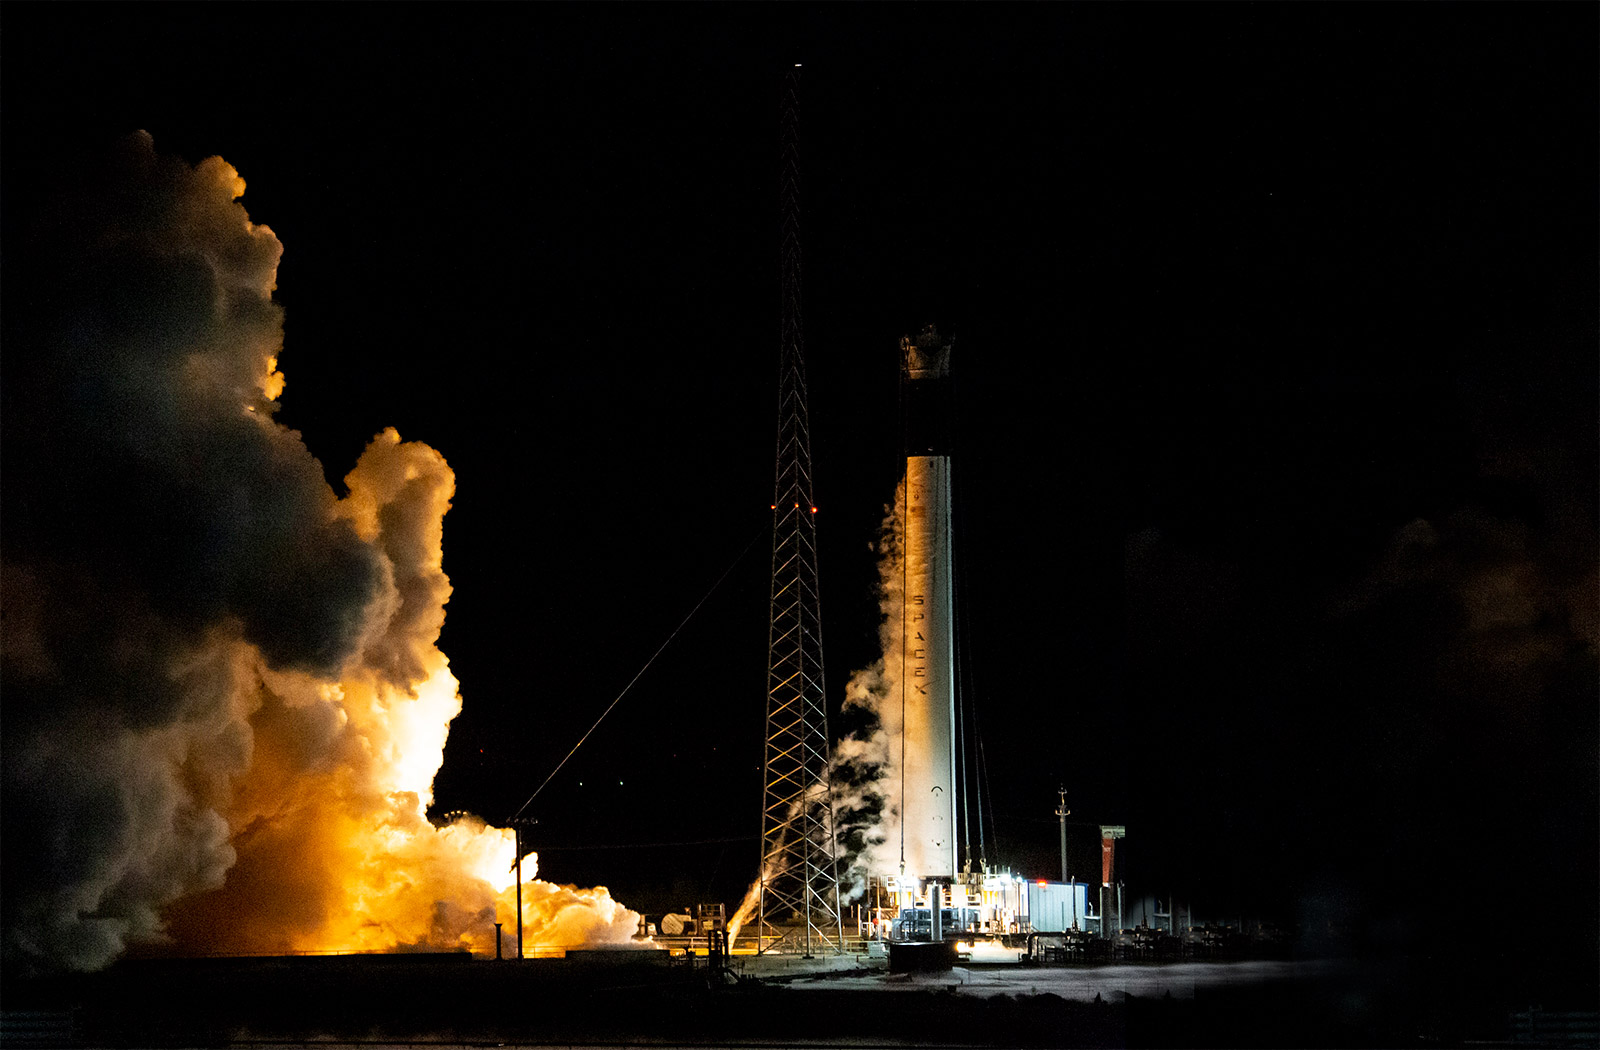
1521 604
224 706
866 760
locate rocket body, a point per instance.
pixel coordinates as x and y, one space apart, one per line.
927 796
928 803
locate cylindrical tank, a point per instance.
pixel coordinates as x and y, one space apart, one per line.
928 681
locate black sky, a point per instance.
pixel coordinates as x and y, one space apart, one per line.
1275 342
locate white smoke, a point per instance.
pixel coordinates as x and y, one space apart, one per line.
865 767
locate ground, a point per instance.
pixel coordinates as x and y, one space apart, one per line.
650 998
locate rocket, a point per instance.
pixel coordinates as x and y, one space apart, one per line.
927 746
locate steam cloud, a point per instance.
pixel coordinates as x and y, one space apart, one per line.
224 703
866 760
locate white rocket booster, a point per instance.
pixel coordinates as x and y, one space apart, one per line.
927 795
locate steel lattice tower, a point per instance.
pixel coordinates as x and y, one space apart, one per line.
799 883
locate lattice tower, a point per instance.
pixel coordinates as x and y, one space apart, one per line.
799 901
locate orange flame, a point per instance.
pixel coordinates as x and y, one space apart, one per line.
334 848
747 909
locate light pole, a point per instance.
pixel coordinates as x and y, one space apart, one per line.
1063 812
517 824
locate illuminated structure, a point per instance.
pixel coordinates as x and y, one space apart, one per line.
799 889
935 898
930 897
927 617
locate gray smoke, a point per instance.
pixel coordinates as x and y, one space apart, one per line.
158 524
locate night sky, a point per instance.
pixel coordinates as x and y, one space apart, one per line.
1275 334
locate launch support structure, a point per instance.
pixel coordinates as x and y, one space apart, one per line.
931 898
934 898
798 906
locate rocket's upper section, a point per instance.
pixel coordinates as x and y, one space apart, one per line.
925 393
925 357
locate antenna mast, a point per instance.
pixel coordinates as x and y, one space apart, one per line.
799 883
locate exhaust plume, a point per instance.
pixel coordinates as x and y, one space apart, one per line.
225 705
